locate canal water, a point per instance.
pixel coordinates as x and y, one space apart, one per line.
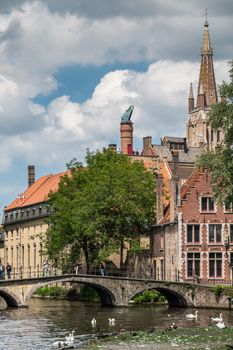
46 321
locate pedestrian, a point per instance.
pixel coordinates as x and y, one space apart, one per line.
46 268
102 268
1 271
77 268
8 270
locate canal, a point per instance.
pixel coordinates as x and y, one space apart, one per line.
46 321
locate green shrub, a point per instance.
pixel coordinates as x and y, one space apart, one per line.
51 291
149 296
217 290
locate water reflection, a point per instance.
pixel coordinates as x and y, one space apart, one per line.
45 321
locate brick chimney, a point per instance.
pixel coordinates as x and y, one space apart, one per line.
127 138
159 198
147 142
175 161
31 175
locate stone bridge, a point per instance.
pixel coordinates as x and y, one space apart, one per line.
116 291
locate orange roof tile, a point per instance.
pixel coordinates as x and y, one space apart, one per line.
38 192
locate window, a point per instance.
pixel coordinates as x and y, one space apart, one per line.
218 135
228 207
215 233
193 264
207 204
215 264
231 259
231 233
193 233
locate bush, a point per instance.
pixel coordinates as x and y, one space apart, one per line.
148 296
51 291
88 293
217 290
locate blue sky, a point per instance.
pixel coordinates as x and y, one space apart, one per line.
69 69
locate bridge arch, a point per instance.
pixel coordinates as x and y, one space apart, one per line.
175 298
10 298
106 295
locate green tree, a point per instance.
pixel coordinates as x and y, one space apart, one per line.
219 162
98 206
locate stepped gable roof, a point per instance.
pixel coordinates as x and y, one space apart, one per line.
184 157
183 191
38 192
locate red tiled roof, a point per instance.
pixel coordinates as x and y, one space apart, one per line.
38 192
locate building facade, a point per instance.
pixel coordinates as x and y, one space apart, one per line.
24 224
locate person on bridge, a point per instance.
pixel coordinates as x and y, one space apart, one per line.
102 269
46 268
2 271
8 271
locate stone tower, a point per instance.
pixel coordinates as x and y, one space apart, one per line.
126 132
199 131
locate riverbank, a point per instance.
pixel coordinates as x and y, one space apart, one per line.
210 338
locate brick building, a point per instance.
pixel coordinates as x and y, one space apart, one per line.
194 239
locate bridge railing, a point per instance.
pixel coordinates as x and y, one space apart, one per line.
126 271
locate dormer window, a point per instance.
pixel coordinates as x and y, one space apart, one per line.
207 204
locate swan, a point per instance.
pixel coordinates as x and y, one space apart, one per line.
220 325
192 316
93 322
217 319
70 338
111 322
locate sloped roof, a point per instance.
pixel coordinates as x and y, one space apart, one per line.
184 157
38 192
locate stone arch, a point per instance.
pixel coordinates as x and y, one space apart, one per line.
175 298
10 298
106 295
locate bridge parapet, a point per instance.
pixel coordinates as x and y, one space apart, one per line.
116 291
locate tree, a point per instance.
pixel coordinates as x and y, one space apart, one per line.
219 162
97 206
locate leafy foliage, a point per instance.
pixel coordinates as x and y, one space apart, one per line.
219 162
149 296
96 207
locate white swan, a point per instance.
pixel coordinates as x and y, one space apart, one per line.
93 322
70 338
217 319
220 325
111 322
173 326
192 316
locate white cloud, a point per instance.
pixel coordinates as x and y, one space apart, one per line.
36 42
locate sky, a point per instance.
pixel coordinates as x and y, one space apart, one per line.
69 70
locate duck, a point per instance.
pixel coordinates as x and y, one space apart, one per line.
217 319
192 316
173 326
111 322
220 325
93 322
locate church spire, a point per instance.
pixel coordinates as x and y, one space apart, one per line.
206 76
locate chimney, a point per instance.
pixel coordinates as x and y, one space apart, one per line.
147 144
126 132
175 161
31 175
159 198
